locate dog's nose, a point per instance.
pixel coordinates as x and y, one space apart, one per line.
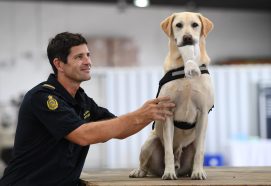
187 38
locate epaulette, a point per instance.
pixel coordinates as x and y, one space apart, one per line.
48 86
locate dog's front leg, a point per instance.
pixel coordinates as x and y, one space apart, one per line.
168 133
190 55
198 172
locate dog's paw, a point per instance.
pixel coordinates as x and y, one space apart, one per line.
177 165
137 173
191 69
169 175
199 175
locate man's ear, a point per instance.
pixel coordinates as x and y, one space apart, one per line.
166 25
58 64
207 25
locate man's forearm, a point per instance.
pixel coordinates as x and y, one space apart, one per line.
120 127
130 129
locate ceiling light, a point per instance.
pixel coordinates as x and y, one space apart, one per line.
141 3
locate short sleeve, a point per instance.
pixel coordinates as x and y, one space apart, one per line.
100 112
55 114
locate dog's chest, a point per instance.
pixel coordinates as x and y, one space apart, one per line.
196 91
190 96
182 138
182 86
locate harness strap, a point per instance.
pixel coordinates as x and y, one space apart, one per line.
177 73
184 125
174 74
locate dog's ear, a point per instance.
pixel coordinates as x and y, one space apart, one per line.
207 25
166 25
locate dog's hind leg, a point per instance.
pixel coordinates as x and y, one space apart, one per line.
156 164
186 161
177 157
147 151
198 173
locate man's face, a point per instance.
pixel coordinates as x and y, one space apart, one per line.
78 64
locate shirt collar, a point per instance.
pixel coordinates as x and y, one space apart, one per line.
52 80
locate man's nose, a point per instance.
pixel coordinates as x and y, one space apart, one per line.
87 60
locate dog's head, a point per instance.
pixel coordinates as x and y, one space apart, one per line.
188 28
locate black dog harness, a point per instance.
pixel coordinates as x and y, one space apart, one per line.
174 74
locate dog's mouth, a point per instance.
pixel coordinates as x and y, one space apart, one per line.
185 44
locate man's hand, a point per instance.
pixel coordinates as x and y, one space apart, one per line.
155 109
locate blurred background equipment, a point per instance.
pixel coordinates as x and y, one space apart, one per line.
264 100
7 130
8 122
113 51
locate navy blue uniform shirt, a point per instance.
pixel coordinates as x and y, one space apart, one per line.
41 155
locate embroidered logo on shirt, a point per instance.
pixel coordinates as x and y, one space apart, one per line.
52 103
86 114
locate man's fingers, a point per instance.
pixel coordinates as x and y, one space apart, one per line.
162 115
160 118
160 99
166 105
167 113
160 108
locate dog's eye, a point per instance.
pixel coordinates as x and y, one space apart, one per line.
194 25
179 25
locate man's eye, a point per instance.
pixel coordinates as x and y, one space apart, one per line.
179 25
194 25
79 57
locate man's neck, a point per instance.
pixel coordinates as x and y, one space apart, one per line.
70 85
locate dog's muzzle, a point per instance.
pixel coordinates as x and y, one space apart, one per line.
186 40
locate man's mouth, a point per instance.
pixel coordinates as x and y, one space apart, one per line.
86 69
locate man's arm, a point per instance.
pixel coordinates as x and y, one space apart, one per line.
123 126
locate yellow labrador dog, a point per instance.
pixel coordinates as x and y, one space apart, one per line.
176 147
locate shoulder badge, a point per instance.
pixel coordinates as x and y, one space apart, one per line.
48 86
52 103
86 114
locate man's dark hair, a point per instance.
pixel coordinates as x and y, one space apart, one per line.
59 46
